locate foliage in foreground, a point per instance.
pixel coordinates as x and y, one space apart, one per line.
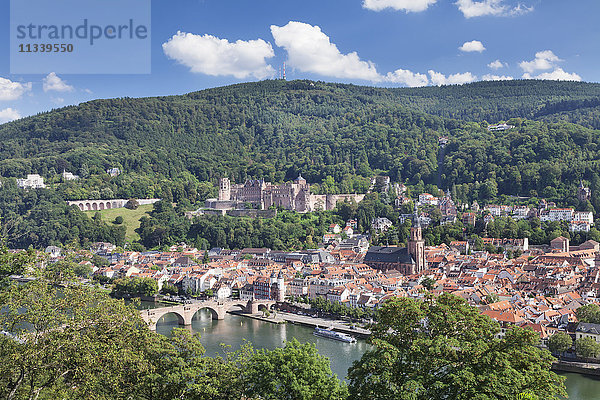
442 348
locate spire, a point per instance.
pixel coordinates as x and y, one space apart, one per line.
416 221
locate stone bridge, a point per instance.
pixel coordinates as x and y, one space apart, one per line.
218 309
97 205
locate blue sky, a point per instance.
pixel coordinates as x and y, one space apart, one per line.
199 44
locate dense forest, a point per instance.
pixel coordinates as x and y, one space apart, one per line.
41 217
336 135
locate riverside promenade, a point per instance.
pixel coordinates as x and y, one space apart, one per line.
592 369
305 320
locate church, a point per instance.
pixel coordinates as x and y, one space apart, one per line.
408 260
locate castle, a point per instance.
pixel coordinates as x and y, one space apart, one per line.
293 195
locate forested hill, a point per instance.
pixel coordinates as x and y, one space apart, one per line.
576 102
333 134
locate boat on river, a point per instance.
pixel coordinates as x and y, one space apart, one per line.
331 334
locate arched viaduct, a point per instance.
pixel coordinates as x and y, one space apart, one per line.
218 309
96 205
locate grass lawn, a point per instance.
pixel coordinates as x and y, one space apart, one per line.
131 218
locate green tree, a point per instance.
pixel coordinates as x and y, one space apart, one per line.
72 342
118 220
82 270
182 371
296 371
169 288
135 287
443 348
587 347
560 342
589 313
132 204
428 283
492 298
100 261
14 263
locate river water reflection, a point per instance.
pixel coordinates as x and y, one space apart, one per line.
234 330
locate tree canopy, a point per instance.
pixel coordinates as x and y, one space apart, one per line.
442 348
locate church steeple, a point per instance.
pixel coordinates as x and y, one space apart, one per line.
416 244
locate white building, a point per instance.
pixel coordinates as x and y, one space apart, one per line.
297 287
33 181
113 171
499 127
521 212
579 226
558 214
69 176
429 199
338 294
584 216
499 210
381 224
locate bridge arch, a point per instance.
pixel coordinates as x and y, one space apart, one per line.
180 318
263 307
213 313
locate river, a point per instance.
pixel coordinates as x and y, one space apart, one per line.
234 330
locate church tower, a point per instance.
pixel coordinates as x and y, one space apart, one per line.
416 244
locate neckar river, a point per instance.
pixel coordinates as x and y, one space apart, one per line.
234 330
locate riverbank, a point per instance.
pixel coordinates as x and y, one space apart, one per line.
311 322
577 367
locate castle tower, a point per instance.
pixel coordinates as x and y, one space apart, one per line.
224 189
416 244
583 192
280 287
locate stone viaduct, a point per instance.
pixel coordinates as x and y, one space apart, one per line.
95 205
218 309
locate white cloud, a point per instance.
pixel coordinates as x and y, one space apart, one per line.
404 5
10 90
473 45
407 77
58 100
544 60
439 79
497 64
557 75
53 83
217 57
9 114
490 77
310 50
521 9
471 8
